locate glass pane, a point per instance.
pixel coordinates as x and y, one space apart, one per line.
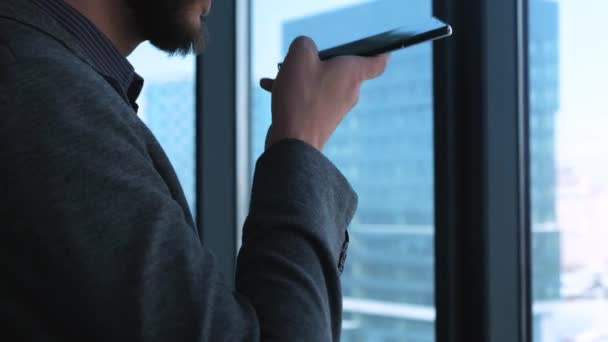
167 106
385 149
569 167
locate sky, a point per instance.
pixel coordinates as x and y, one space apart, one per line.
155 65
583 117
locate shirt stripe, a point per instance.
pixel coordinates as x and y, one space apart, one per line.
104 55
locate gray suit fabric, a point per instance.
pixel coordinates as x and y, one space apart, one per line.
98 243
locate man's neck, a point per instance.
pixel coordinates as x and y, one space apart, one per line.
112 18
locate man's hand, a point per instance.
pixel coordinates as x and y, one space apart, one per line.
310 97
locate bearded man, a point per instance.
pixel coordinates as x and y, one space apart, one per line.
98 243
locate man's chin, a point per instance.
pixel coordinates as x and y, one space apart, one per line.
170 25
182 43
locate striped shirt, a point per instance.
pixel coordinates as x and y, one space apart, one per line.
104 55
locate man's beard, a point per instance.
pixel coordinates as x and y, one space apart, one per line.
166 25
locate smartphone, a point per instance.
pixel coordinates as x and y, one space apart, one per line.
414 33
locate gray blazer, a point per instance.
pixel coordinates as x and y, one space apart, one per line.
97 241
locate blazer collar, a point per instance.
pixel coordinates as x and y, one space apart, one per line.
28 13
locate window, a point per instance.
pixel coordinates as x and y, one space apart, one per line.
385 149
569 164
167 106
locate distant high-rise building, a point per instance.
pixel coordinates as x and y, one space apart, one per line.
544 103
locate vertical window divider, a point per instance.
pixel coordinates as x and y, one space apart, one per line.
216 138
481 174
243 117
525 227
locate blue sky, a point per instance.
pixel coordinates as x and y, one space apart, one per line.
582 123
584 54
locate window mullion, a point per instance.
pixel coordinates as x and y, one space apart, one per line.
481 173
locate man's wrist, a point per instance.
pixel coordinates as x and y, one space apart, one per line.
271 140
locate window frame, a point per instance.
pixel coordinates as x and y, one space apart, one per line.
481 173
220 139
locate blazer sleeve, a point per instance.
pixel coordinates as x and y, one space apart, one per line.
95 247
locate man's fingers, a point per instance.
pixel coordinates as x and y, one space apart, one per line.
372 67
267 84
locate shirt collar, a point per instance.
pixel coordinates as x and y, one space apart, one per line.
98 48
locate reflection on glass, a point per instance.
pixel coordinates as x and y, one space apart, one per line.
384 147
569 164
167 106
